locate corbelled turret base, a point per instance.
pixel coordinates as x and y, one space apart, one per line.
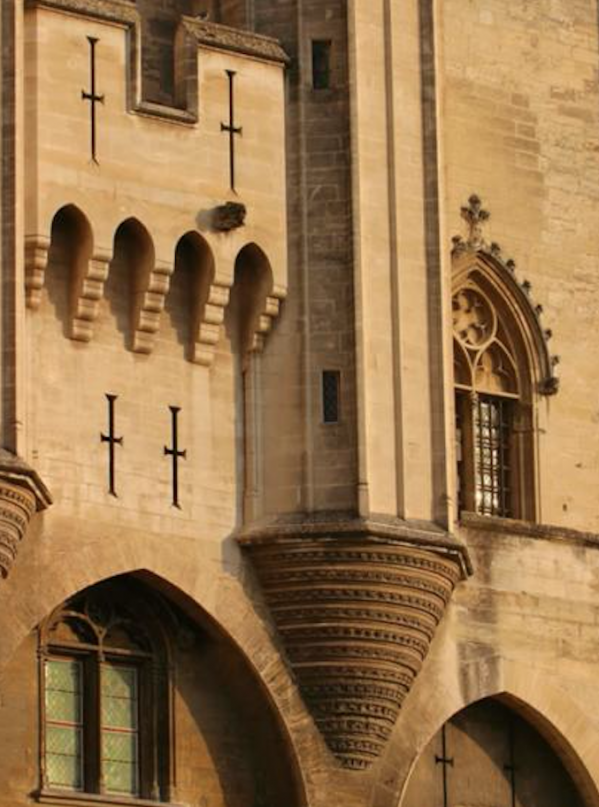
22 492
357 604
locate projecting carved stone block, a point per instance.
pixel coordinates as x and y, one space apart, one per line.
357 612
36 261
229 216
21 493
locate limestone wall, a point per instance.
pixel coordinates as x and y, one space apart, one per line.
167 177
519 126
436 100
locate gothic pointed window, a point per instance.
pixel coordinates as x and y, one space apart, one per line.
105 698
502 365
489 406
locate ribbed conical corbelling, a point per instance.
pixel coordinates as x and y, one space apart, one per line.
356 618
21 494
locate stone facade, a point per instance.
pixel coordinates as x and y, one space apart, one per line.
360 594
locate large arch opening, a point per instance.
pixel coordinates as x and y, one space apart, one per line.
494 752
129 690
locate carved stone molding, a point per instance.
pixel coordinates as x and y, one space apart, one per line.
88 296
210 322
22 493
119 11
357 610
476 245
222 37
270 312
149 307
37 248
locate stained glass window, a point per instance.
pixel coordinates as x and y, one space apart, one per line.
98 661
120 729
64 723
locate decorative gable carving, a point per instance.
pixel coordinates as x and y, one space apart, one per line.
475 261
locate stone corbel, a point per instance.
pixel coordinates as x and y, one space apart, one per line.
209 323
22 493
357 603
272 308
37 248
88 295
149 307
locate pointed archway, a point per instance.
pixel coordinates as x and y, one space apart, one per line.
491 753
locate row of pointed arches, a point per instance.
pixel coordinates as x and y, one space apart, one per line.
137 287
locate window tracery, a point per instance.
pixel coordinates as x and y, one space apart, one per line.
105 722
487 391
501 364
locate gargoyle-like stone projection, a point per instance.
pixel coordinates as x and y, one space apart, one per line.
357 604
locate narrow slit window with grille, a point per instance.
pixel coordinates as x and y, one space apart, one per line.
321 64
330 396
492 429
460 450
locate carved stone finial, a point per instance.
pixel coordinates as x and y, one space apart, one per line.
22 492
475 216
229 216
550 385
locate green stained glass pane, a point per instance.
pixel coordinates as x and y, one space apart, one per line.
64 771
63 757
121 777
119 713
119 746
63 691
119 729
63 706
63 740
119 682
63 723
64 675
119 697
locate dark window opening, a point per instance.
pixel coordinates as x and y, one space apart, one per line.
330 396
321 64
483 436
